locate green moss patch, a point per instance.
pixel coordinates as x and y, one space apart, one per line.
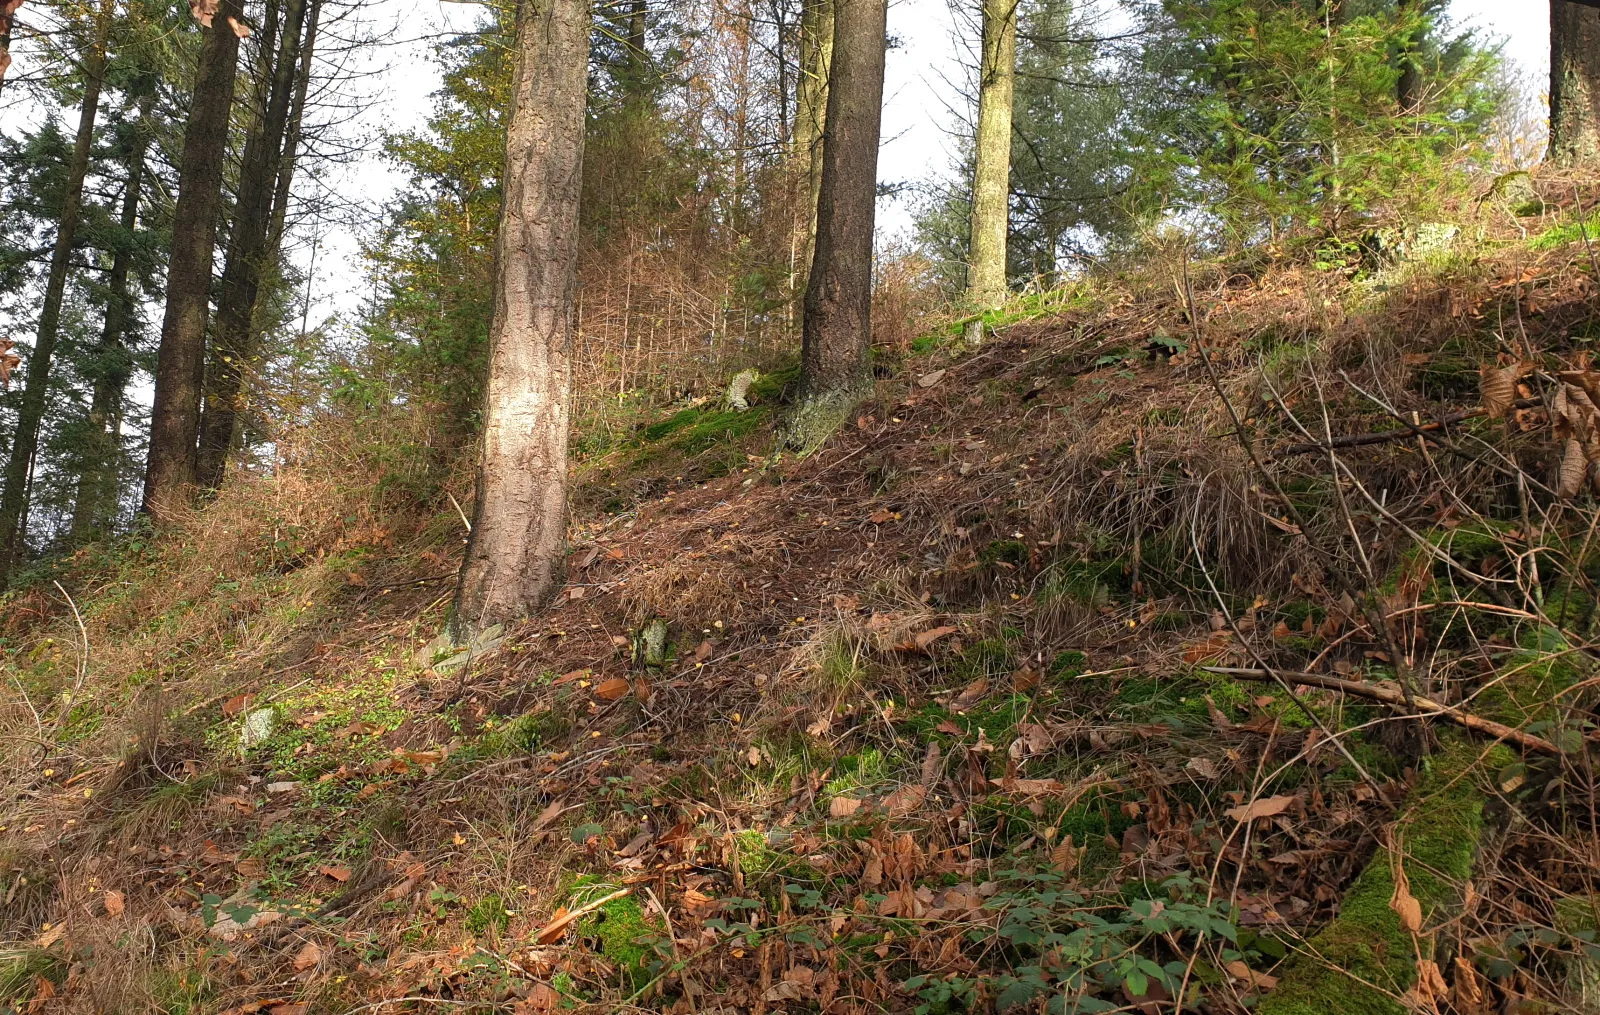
1365 955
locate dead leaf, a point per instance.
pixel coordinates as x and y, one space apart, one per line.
1203 767
9 360
288 1009
250 867
115 903
543 997
930 379
570 676
926 638
1024 679
1263 808
703 651
1497 387
1404 904
203 11
970 695
52 934
307 956
753 756
236 704
339 874
1574 470
905 800
239 29
1239 971
843 806
880 516
612 689
555 928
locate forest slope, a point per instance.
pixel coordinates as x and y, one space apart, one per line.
931 718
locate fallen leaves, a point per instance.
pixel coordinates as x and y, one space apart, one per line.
1404 904
1265 807
928 380
115 903
905 800
843 806
307 957
921 642
612 689
340 874
1239 971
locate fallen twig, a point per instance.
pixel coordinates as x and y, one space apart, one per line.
1385 436
554 928
1393 697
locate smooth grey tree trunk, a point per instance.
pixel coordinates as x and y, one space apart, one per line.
518 542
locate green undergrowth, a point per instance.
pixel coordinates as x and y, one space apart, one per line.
620 931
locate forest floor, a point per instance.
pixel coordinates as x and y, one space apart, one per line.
938 719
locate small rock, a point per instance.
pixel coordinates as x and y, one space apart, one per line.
258 726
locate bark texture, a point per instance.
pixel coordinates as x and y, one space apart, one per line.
836 335
1574 83
249 253
991 178
95 499
810 116
516 550
30 410
180 364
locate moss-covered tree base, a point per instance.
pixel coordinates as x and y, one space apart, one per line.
817 416
1364 962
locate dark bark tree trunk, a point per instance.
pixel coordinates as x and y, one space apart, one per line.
180 365
1408 89
95 500
836 337
1574 83
514 556
291 140
248 254
30 411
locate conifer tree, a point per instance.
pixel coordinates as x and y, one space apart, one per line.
515 553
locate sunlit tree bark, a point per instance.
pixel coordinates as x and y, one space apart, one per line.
515 553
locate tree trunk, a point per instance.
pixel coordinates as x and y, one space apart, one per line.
1574 83
1408 89
291 138
180 365
811 104
30 411
836 337
248 253
94 501
514 557
991 180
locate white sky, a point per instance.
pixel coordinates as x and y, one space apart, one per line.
916 120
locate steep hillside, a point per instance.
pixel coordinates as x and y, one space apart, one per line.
1204 638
